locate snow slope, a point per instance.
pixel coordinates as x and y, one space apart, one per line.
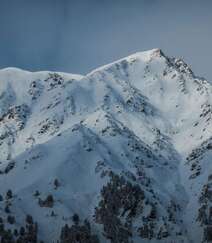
126 147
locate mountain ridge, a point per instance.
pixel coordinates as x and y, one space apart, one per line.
136 129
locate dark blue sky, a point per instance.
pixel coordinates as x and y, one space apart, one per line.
79 35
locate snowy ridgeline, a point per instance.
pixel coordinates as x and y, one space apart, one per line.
123 154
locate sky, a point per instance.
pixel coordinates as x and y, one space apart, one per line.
79 35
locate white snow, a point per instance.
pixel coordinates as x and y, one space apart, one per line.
75 121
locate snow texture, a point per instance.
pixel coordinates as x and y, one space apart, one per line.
141 123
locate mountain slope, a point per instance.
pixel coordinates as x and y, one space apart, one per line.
125 148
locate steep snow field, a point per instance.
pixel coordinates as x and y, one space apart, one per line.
127 148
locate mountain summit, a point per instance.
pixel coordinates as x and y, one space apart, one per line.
121 155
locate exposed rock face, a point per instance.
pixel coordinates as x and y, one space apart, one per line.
48 202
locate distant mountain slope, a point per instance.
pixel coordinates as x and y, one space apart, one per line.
122 154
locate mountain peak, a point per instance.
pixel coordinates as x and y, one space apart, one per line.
157 52
143 56
125 147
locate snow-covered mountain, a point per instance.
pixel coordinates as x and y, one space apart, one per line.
122 154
